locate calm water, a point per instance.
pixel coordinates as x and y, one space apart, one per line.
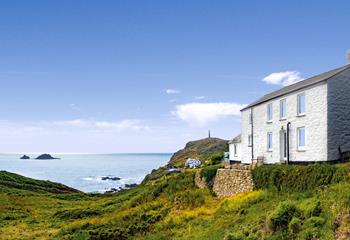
84 171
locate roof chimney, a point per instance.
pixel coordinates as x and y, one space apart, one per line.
348 56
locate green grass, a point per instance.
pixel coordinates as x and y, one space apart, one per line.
171 207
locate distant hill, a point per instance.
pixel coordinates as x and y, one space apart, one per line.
201 149
15 181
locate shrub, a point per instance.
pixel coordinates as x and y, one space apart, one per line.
216 158
189 199
294 225
310 208
297 178
209 173
283 214
315 222
77 214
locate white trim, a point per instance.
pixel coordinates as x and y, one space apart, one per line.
285 109
299 113
269 111
269 144
250 140
301 148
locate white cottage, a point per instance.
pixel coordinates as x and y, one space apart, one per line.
308 121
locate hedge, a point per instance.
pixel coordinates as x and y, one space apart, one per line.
297 178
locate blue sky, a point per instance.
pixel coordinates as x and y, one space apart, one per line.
148 76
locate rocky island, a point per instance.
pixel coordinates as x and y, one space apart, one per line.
25 157
45 156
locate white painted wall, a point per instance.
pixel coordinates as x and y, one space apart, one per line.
246 150
338 114
314 121
233 156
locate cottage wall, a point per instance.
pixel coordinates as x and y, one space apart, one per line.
314 121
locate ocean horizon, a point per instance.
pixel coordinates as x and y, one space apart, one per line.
84 171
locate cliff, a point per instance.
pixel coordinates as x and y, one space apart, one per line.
202 149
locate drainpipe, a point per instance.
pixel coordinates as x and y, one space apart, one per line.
288 130
252 130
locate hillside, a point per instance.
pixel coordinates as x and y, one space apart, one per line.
202 149
11 180
289 202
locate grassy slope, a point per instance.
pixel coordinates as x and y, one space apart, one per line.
202 149
170 208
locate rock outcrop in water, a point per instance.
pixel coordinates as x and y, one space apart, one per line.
25 157
45 156
110 178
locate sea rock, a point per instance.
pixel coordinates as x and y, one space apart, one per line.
45 156
193 163
25 157
132 185
110 178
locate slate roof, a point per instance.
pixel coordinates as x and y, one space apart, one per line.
299 85
237 139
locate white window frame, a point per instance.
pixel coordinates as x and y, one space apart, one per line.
269 144
283 109
301 148
235 149
250 140
269 111
299 113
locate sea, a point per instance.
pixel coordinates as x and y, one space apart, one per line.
85 171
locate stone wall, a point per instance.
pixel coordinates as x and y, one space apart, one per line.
199 180
229 182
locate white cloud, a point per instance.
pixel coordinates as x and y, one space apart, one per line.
126 124
72 123
199 97
133 124
283 78
172 91
202 113
74 107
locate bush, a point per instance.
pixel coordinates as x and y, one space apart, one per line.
77 214
296 178
209 173
281 217
310 208
294 225
216 158
189 199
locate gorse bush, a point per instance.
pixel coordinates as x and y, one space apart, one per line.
297 178
282 216
77 213
189 199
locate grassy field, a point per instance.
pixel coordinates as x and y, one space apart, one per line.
289 203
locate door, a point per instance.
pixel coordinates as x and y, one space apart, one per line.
283 145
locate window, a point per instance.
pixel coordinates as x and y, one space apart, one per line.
250 118
235 149
269 141
250 140
283 108
301 138
301 104
269 112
